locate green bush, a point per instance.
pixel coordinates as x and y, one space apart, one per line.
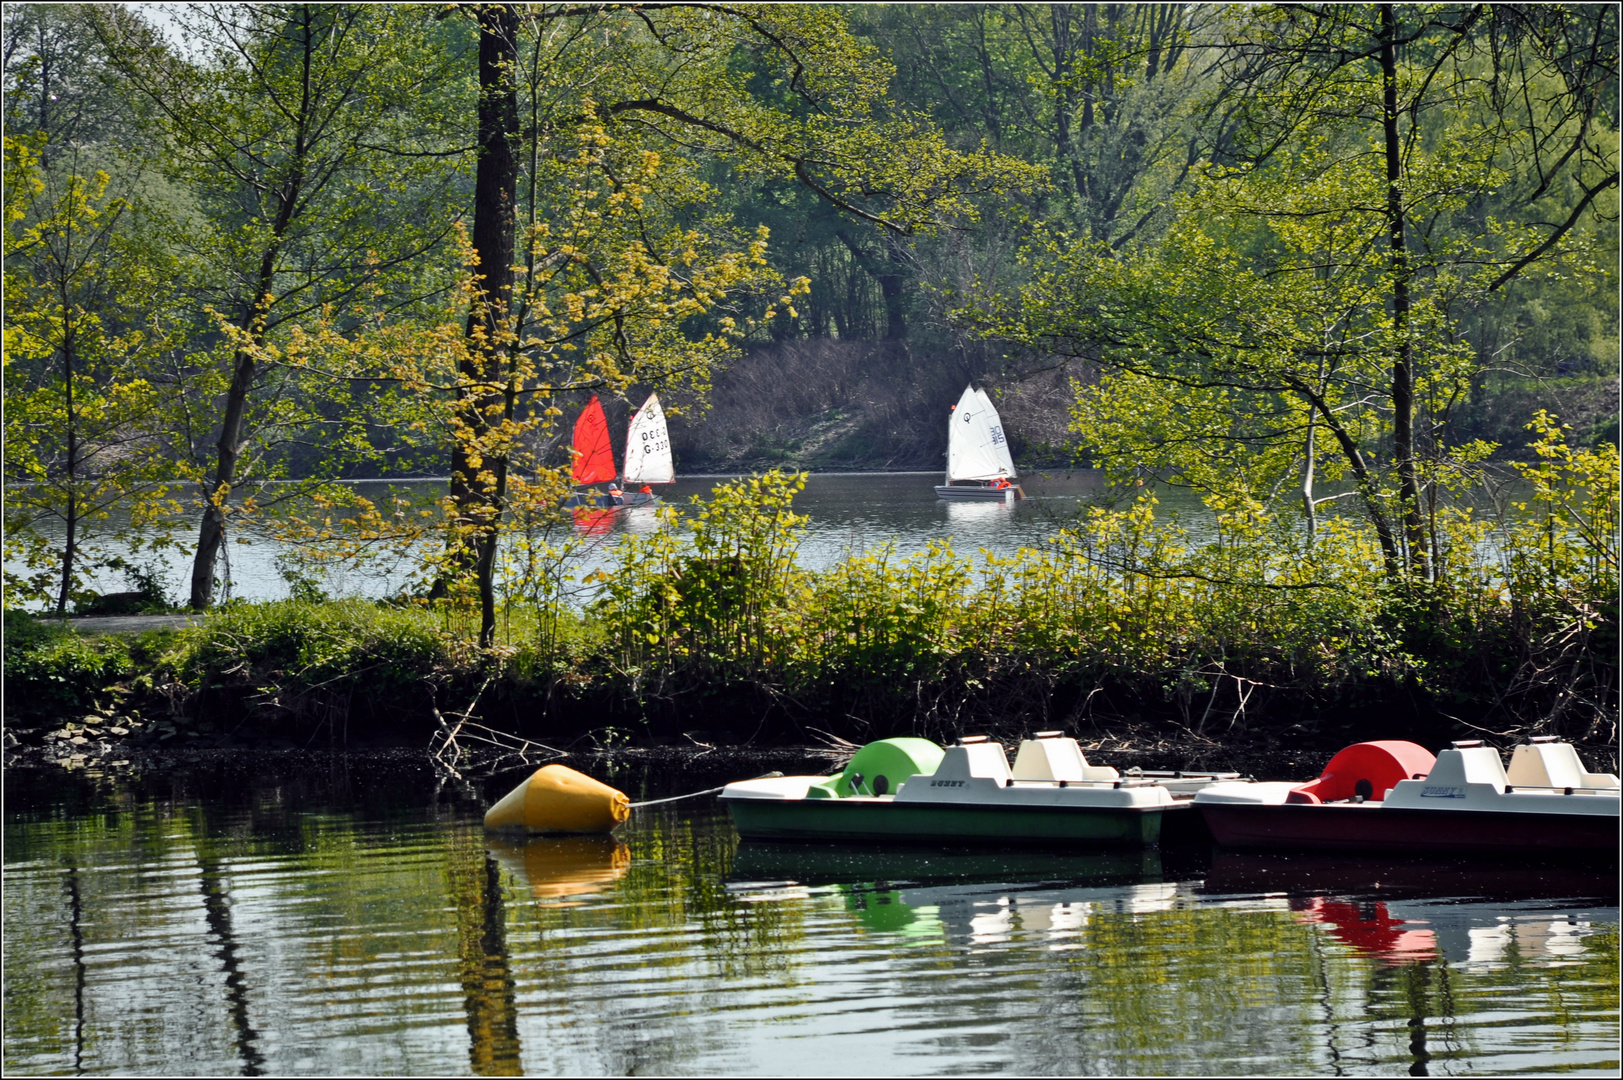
1254 619
1251 622
52 673
301 645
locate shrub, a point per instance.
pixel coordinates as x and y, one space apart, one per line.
315 643
52 673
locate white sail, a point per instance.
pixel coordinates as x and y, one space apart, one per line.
999 442
976 448
648 446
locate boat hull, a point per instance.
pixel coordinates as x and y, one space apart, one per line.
947 491
630 498
873 820
1373 827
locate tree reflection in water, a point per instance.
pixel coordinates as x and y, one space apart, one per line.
336 918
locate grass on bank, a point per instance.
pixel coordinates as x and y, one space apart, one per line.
711 623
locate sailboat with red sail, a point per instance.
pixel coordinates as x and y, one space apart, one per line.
648 456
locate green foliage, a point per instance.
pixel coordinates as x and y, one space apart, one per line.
1247 623
52 673
714 597
23 630
1573 517
301 646
1208 625
1303 315
147 595
309 144
875 620
87 333
1297 255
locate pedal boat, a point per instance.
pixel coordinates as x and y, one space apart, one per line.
1395 797
911 790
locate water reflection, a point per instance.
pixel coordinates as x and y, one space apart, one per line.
975 516
955 897
335 923
1370 928
563 866
817 863
488 987
590 521
217 908
640 519
1248 871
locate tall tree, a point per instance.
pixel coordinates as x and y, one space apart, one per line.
88 315
56 85
477 490
777 94
1096 92
301 130
1381 170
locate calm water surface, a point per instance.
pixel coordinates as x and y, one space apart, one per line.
339 915
848 512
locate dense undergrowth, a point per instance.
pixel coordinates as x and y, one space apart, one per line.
710 628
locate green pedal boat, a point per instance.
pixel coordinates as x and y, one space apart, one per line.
913 790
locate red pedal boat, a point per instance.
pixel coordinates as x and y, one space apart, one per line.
1396 797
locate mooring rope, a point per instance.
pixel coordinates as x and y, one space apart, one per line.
696 794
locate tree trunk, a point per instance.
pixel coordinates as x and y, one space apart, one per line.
1064 94
1403 362
1309 508
70 543
211 533
890 287
475 492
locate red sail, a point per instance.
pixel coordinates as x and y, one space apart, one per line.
594 457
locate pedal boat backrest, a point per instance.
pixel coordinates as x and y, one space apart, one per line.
1546 762
1367 771
1051 758
1468 763
1467 776
972 761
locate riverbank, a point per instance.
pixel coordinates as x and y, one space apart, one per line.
359 678
1128 631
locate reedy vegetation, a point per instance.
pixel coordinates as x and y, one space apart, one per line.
710 625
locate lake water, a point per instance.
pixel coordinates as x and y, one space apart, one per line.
311 914
848 512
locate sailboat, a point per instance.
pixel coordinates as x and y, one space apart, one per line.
648 456
978 462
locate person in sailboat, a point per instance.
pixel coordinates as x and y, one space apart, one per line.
648 454
978 461
647 458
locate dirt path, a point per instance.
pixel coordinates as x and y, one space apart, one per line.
127 624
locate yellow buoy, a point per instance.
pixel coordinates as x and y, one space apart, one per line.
560 800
